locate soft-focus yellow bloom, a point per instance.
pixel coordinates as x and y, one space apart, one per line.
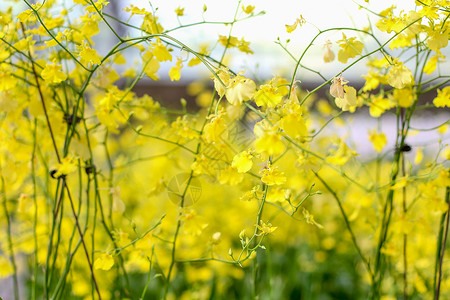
89 55
294 125
310 218
437 39
399 76
272 176
161 52
104 262
175 71
52 73
66 167
151 24
349 48
135 10
419 156
379 105
240 89
151 65
404 97
230 176
216 129
349 101
378 140
341 155
6 269
269 142
242 161
443 97
248 9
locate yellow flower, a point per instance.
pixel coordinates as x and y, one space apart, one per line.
66 167
240 89
437 39
215 130
419 156
350 48
342 155
104 262
294 125
179 11
52 73
378 140
151 25
160 51
298 22
5 268
272 176
379 105
328 56
337 87
399 76
268 95
266 228
135 10
89 55
151 65
25 15
443 97
230 176
404 97
248 9
242 161
349 101
175 71
310 218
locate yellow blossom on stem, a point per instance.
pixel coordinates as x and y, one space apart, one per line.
248 9
298 22
349 48
272 176
216 129
341 155
161 52
242 161
52 73
175 71
399 76
104 262
230 176
89 55
268 95
349 101
310 218
221 85
179 11
443 97
135 10
266 228
66 167
240 89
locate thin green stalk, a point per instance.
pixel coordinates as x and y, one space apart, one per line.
12 258
347 224
442 251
